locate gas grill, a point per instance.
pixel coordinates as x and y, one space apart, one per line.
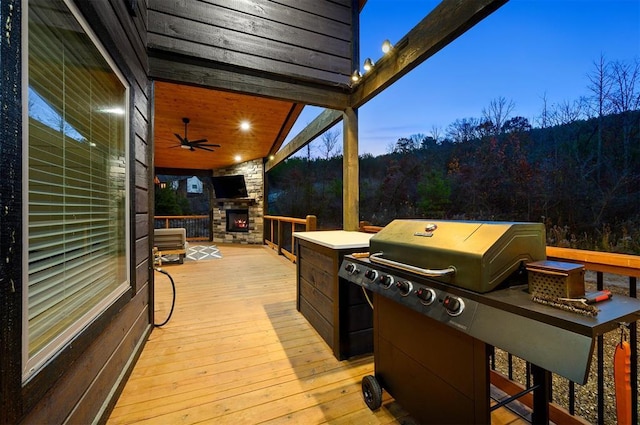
445 293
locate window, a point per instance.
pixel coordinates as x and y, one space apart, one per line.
77 209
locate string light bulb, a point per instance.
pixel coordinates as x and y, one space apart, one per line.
355 77
386 46
368 64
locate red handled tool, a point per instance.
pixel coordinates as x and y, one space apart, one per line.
596 297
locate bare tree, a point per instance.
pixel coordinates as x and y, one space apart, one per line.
463 130
498 112
544 120
625 97
436 133
600 86
567 112
329 147
408 144
391 147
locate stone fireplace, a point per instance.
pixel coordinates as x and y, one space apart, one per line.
239 220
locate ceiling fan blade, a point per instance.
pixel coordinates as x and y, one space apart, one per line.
197 142
212 145
179 138
205 149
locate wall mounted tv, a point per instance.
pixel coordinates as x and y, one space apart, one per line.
229 187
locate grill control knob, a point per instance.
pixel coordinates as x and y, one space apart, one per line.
372 275
427 295
405 287
386 281
453 305
351 269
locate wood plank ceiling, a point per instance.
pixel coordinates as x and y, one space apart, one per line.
216 116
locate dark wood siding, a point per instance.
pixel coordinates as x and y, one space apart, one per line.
11 209
78 384
303 39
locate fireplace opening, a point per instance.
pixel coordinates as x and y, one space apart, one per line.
238 220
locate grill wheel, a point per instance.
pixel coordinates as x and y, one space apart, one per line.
372 392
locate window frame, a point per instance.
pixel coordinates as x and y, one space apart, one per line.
69 345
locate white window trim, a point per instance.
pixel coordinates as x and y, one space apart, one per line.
30 366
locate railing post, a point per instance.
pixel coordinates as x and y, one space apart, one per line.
210 227
311 224
271 235
280 236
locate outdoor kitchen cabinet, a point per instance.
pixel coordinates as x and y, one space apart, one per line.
336 309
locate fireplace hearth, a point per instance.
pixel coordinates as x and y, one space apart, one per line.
237 220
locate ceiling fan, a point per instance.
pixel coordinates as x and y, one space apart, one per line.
192 145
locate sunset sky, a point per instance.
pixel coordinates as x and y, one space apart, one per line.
526 50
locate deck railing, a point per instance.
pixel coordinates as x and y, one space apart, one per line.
198 227
278 232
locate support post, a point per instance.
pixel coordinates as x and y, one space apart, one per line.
311 223
350 172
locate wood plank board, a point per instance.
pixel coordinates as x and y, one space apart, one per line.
236 351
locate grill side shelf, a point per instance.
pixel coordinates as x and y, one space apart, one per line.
612 312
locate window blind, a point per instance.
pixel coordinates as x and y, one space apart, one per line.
77 202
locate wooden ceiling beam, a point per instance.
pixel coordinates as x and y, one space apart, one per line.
296 109
327 119
446 22
189 71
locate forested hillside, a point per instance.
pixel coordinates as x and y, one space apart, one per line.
578 171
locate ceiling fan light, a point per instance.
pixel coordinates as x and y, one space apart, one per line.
185 146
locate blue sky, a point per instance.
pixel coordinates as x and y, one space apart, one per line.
525 50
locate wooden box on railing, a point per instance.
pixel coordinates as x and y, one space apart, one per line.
556 279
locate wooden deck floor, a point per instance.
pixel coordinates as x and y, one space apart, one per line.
236 351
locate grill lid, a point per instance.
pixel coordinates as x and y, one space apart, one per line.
475 255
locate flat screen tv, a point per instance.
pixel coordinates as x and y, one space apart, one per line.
229 187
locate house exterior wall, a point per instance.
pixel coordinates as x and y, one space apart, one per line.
11 208
305 39
81 382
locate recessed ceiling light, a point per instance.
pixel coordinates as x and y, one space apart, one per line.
238 158
245 126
